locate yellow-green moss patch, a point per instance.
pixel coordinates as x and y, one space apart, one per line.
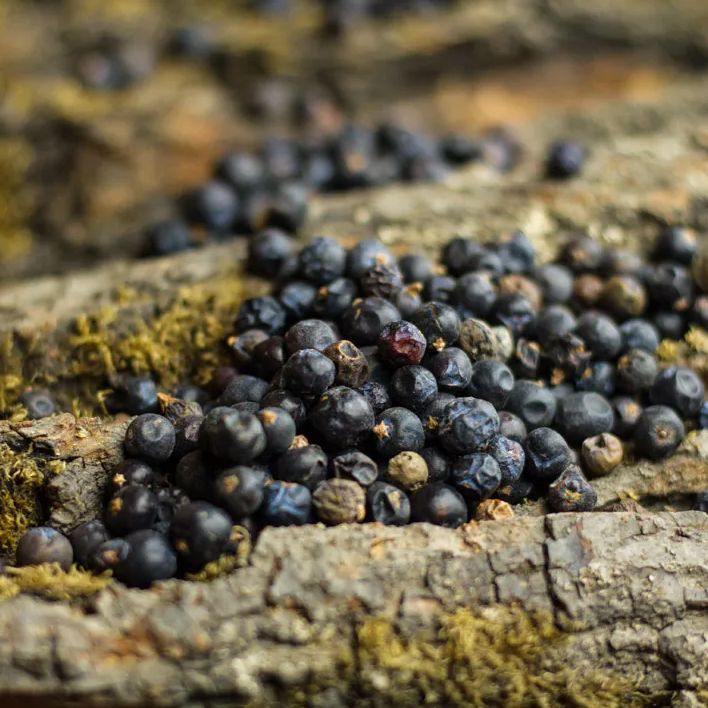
22 477
51 582
498 656
15 200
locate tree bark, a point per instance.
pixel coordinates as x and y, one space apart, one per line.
629 590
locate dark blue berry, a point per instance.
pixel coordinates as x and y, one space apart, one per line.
510 457
461 255
547 455
243 171
468 425
492 381
200 533
515 312
433 413
534 404
415 268
297 298
168 237
150 558
397 430
676 243
42 544
658 432
439 323
109 554
387 504
287 208
243 388
438 504
670 286
85 539
354 465
582 254
131 472
305 464
670 325
279 428
264 312
413 387
364 320
474 295
308 373
364 255
150 437
516 492
343 417
268 251
280 398
239 490
571 492
377 395
232 436
583 415
408 299
600 335
333 299
381 280
553 321
440 288
626 411
636 371
242 346
38 403
639 334
132 508
598 377
132 395
309 334
322 260
565 159
214 205
517 253
678 387
556 283
285 504
438 464
511 426
703 416
269 357
193 475
476 477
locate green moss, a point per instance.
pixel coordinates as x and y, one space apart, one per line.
15 200
498 656
51 582
183 339
22 476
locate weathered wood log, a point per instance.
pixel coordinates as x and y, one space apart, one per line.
621 596
353 615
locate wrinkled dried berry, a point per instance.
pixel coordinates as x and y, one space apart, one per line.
387 504
571 492
601 454
339 501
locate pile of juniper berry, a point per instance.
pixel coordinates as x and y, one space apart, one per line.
270 186
370 388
